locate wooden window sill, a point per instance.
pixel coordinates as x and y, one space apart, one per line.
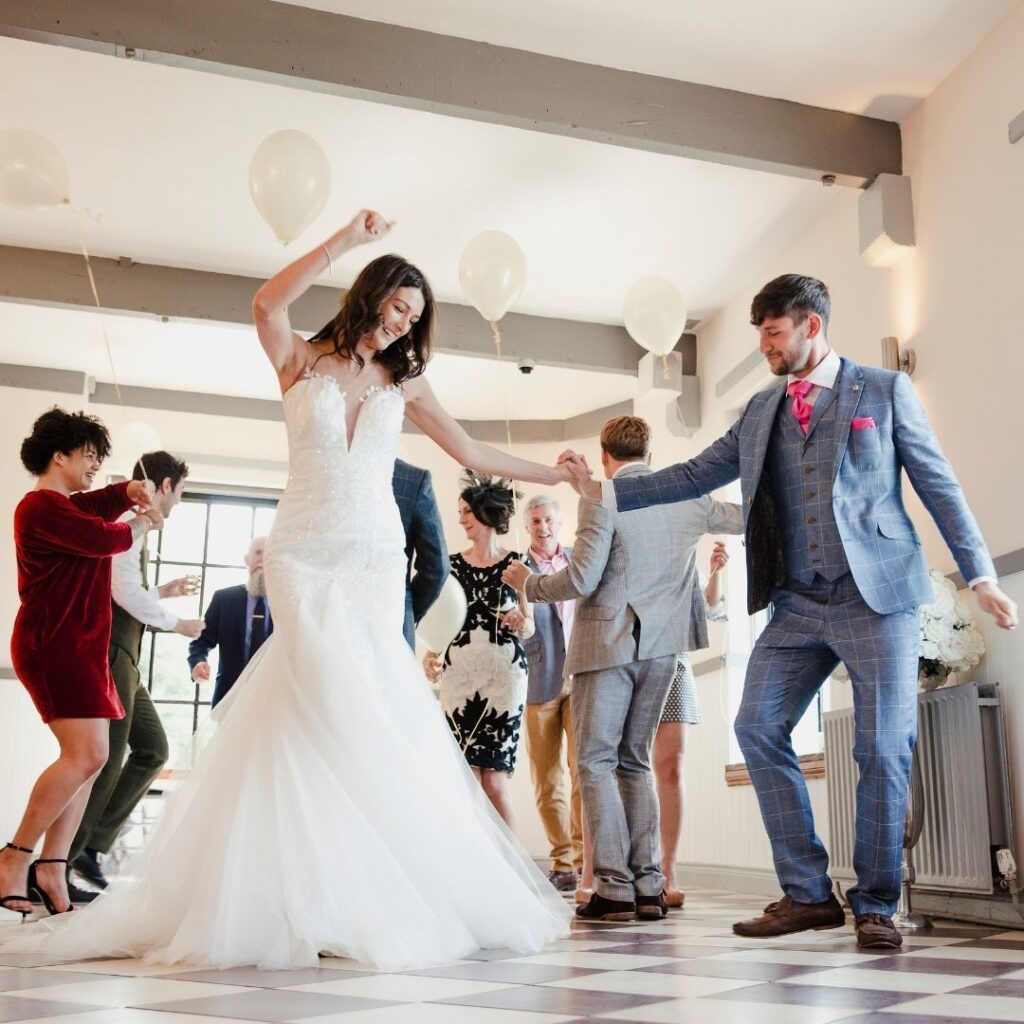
812 765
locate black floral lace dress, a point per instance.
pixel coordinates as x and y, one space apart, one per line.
483 686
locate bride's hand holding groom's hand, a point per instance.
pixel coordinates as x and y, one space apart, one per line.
579 474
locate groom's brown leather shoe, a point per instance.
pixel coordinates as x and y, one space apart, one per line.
784 916
876 931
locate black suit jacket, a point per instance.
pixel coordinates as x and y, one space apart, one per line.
225 628
425 547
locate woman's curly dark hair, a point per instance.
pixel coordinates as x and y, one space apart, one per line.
360 314
65 432
493 502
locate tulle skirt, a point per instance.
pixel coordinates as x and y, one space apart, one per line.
326 809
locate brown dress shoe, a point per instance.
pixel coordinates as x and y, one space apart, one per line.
563 881
784 916
652 908
876 931
600 908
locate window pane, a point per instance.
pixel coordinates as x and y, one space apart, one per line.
144 657
218 579
171 675
230 533
183 607
182 537
264 520
177 722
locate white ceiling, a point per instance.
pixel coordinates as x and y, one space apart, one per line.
159 169
878 57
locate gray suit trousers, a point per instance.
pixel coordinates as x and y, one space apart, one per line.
615 714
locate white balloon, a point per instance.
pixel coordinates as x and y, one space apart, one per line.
289 181
132 440
655 314
446 617
492 272
33 173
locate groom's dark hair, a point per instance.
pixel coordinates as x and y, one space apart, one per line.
160 466
360 314
792 295
626 438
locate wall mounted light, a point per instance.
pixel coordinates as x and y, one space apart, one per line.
885 214
895 357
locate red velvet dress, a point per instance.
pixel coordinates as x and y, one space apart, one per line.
62 630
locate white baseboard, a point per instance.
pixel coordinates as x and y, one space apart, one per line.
752 881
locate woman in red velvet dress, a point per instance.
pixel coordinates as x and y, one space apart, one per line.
64 538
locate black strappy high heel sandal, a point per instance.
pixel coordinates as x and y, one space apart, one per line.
34 886
6 900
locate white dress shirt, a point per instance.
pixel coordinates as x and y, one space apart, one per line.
127 590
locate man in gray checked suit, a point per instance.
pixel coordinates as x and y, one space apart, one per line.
830 546
634 575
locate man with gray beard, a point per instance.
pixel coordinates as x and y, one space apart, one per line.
238 620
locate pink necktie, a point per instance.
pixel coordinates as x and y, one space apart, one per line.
798 390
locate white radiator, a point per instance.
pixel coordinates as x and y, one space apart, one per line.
966 808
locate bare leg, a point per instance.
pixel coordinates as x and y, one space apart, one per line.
496 786
669 744
586 889
56 805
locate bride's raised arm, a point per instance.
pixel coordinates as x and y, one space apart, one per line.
286 349
425 411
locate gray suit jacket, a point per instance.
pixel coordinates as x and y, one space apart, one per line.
545 650
629 571
879 539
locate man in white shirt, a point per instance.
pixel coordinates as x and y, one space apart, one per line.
119 787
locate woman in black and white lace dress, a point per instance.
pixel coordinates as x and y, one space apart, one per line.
483 671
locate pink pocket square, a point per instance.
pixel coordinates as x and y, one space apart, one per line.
863 423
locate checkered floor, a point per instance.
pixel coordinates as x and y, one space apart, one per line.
689 968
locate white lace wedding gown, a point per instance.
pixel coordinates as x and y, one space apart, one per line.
330 809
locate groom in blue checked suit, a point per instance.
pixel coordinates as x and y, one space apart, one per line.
830 547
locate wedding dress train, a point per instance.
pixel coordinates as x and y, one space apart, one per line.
327 808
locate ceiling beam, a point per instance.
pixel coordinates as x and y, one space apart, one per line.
44 277
126 396
332 53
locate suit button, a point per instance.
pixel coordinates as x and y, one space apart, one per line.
808 495
812 519
809 469
813 547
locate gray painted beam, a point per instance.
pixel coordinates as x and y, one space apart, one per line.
492 431
42 378
738 372
44 277
332 53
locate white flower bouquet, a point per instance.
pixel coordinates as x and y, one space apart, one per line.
950 641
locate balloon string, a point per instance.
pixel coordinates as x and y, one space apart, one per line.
664 366
496 333
106 337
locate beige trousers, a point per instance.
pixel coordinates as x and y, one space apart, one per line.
546 724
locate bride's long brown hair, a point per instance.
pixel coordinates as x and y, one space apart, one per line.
360 314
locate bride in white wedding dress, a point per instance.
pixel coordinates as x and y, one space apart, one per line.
331 810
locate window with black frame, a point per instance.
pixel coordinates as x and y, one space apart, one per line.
208 536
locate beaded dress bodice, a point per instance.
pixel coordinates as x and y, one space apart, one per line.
337 519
